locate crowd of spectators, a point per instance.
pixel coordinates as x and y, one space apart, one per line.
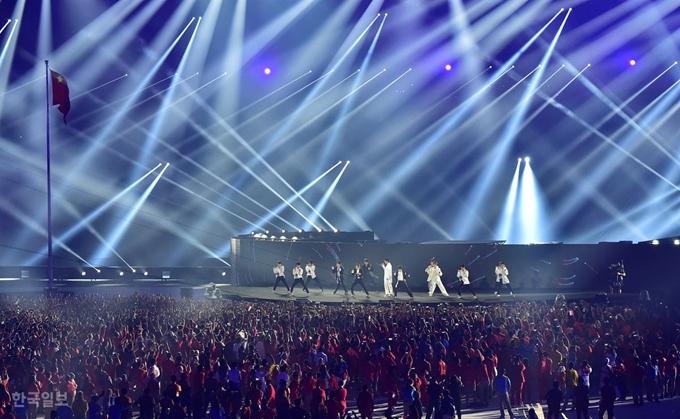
109 357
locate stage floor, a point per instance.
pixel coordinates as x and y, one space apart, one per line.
174 286
327 296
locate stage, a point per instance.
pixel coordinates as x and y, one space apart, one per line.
192 289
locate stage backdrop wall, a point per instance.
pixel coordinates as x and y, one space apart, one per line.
544 267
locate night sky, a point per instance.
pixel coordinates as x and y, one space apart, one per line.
433 151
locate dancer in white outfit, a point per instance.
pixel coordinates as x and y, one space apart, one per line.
311 275
464 277
280 273
434 279
502 279
297 278
387 278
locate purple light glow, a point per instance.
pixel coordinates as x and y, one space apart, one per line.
267 71
632 62
448 67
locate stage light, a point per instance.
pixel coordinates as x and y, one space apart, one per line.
655 242
506 225
632 62
115 236
134 271
283 231
224 274
266 232
301 231
448 67
146 273
526 160
676 242
252 233
122 273
267 71
282 238
294 238
83 272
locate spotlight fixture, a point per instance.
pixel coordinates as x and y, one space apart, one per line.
266 232
283 231
83 272
146 273
655 242
526 159
224 274
448 67
301 231
121 273
519 159
252 233
676 242
267 71
632 62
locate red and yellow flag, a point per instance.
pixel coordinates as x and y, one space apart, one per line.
60 94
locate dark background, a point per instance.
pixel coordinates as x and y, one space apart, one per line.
548 267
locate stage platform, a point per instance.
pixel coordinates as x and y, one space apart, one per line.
180 288
376 297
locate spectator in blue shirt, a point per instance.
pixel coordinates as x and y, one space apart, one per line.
502 385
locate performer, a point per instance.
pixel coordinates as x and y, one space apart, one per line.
617 275
280 273
367 272
311 275
401 281
358 275
464 277
387 278
502 279
297 278
434 278
338 273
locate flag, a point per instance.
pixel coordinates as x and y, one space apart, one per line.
60 93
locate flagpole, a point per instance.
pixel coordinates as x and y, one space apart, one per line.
50 270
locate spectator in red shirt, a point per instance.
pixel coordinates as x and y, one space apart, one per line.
333 407
671 371
637 380
341 397
318 397
365 403
254 394
482 380
516 375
